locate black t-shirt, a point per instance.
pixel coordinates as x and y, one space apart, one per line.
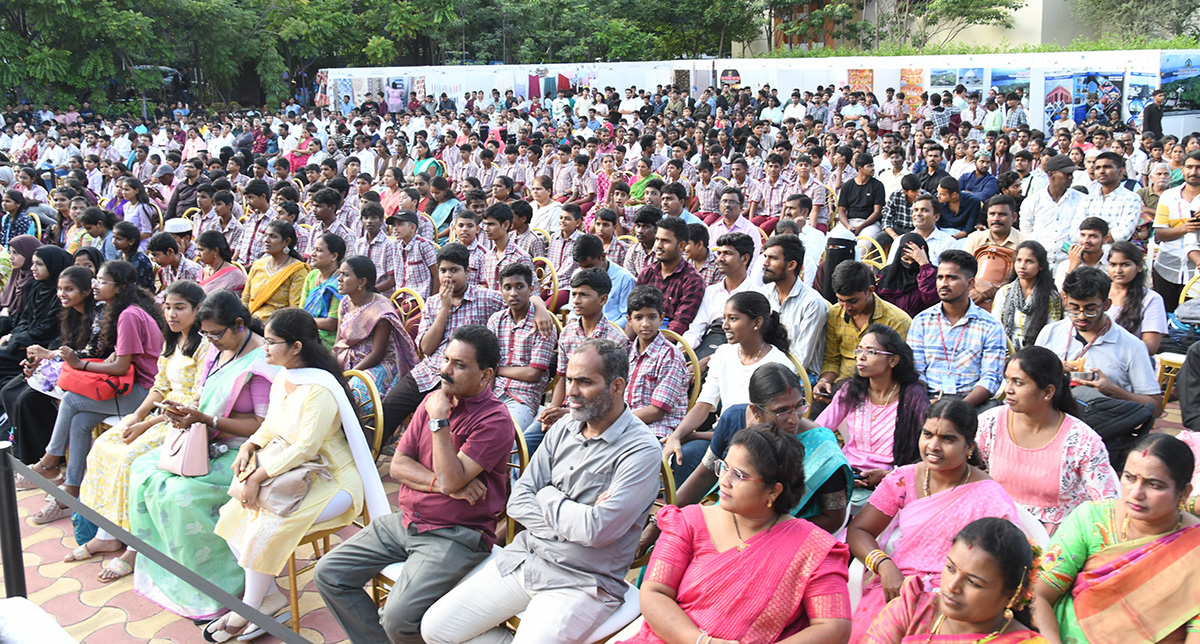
860 201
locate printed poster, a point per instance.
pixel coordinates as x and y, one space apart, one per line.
971 78
1137 96
1181 80
861 80
940 79
912 83
1060 94
1011 79
1098 95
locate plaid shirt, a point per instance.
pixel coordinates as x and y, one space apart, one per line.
381 251
954 359
517 172
212 221
1121 208
897 213
487 177
254 231
521 346
513 253
616 252
348 216
562 255
710 195
682 292
412 264
659 377
531 242
572 336
709 271
564 178
842 337
636 258
479 253
772 196
820 197
477 307
188 270
750 190
1015 117
337 228
582 186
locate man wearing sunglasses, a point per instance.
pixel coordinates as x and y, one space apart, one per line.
1110 371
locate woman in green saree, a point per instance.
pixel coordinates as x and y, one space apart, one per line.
1127 570
177 514
637 189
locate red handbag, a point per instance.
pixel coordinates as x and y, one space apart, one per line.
97 386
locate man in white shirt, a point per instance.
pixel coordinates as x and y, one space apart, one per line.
734 254
1047 215
795 109
797 208
54 157
892 174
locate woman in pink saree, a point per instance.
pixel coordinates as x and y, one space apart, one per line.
987 582
911 519
746 571
370 334
220 273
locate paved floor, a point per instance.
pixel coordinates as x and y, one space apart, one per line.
98 613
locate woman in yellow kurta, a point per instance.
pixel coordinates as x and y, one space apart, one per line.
276 280
308 406
105 487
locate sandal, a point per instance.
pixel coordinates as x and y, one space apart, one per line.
116 568
25 484
222 632
50 513
255 631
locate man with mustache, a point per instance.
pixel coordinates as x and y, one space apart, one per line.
452 468
583 501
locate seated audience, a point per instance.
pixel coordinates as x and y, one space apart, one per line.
659 375
1088 250
1145 316
1117 566
452 469
1034 445
735 253
761 476
971 368
801 309
525 355
275 280
321 295
567 569
926 504
1029 301
34 321
370 334
219 272
909 282
1111 373
589 253
985 590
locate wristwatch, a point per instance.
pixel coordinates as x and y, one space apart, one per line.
435 425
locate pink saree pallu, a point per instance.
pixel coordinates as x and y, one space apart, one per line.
784 578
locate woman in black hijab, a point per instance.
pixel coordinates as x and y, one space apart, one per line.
910 280
37 320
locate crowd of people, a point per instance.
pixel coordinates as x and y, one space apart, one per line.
907 405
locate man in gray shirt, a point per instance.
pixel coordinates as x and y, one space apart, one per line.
583 500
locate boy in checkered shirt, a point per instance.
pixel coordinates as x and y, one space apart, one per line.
658 374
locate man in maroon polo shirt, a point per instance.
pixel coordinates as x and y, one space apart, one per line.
451 464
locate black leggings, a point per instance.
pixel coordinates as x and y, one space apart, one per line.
31 415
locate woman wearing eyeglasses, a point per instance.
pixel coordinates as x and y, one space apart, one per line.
879 410
777 399
788 575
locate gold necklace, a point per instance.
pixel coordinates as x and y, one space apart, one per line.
880 408
937 626
742 545
1125 526
966 475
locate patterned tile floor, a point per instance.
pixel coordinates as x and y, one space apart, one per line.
96 613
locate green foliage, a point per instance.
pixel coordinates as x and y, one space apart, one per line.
1154 18
1107 43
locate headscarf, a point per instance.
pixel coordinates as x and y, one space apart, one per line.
900 276
93 254
56 260
17 290
7 177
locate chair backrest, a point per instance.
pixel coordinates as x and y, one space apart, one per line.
628 239
544 235
411 305
876 255
187 214
666 489
693 364
159 211
543 271
1186 293
369 410
805 382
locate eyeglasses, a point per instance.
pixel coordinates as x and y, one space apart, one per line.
271 343
1083 313
738 475
871 353
797 411
97 280
213 337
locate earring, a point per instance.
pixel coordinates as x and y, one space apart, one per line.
1047 397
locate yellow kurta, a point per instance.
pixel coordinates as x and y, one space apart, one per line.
105 487
308 419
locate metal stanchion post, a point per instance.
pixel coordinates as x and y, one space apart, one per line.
11 557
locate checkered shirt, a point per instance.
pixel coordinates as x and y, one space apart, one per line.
477 307
659 377
521 346
492 265
412 265
562 255
254 230
381 251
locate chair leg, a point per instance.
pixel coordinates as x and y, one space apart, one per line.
1167 388
295 595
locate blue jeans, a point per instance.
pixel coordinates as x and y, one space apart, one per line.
77 415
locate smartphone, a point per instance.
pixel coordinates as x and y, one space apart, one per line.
858 475
1066 247
1083 375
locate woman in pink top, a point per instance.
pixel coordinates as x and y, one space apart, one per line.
879 410
1047 459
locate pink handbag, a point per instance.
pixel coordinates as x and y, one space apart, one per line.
185 451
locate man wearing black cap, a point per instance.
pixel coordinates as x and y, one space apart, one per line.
1046 214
